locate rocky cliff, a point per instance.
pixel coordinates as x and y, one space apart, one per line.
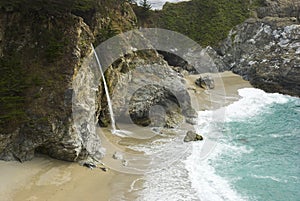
42 54
50 97
266 50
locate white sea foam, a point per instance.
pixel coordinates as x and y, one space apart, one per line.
194 176
170 181
282 135
169 184
208 185
252 103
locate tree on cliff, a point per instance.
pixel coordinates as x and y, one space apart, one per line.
143 11
146 6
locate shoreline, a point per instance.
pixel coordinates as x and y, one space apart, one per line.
45 178
224 93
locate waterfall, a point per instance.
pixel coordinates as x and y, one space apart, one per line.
113 124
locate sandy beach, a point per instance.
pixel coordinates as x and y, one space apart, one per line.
47 179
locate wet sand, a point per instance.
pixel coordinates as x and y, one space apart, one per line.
46 179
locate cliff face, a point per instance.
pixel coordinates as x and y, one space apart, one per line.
266 51
147 91
50 97
41 57
279 8
38 59
263 49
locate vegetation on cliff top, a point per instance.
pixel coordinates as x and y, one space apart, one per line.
48 6
205 21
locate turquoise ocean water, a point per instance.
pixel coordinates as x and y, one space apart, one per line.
270 170
257 154
250 152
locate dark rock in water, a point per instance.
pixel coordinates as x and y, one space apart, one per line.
192 136
206 82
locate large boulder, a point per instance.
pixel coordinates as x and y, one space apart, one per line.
151 95
205 82
192 136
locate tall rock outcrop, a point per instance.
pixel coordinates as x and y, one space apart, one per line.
266 50
50 97
43 60
150 93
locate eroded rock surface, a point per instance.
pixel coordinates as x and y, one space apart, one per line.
42 54
266 51
192 136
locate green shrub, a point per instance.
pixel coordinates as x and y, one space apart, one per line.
12 85
205 21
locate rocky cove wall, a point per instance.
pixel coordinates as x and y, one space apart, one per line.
266 50
58 95
40 57
45 75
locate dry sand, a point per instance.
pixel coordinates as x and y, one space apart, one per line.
46 179
224 93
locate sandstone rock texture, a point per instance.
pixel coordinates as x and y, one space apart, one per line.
44 65
46 91
50 101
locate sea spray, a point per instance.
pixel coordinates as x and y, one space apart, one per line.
112 119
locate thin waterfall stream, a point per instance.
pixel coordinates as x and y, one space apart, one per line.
111 113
